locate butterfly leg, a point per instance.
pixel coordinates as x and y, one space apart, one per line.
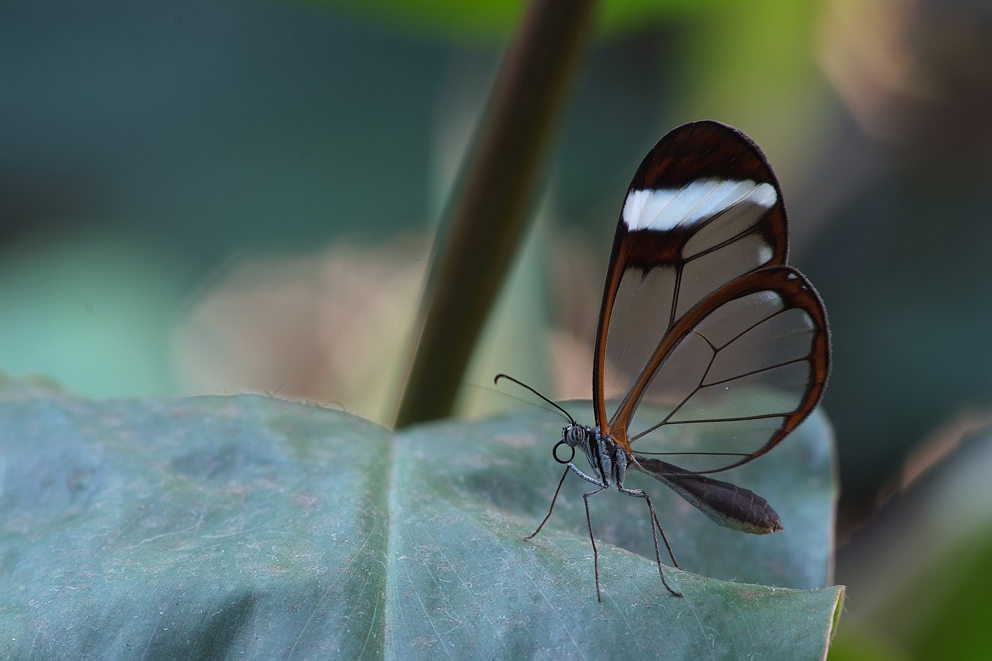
552 508
657 523
595 552
569 467
640 493
602 487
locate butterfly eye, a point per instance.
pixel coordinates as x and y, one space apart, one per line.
574 434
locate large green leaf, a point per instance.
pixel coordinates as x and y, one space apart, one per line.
247 527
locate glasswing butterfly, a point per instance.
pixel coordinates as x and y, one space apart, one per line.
709 346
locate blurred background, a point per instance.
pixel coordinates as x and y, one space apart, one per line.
228 196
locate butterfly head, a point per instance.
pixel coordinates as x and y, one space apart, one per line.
573 434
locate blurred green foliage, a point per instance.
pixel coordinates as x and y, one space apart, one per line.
494 20
920 575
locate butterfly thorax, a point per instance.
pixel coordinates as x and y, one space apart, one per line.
607 458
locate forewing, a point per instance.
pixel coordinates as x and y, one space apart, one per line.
703 209
736 374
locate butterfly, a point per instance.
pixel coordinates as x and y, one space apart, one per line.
709 346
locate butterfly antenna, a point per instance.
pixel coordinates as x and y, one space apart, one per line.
524 385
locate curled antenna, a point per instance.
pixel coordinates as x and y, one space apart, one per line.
524 385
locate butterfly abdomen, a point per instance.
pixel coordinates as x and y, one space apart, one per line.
727 504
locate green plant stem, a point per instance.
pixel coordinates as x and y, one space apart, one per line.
488 212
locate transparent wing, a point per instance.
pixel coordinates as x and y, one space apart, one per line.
738 372
703 209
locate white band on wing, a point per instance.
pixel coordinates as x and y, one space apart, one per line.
665 208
